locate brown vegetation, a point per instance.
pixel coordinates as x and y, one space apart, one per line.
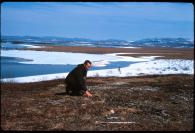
149 102
173 53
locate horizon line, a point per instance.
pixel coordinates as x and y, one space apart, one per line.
94 39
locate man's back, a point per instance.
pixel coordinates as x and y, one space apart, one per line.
77 72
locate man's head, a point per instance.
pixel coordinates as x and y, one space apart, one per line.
87 64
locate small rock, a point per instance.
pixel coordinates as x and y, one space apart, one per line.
112 111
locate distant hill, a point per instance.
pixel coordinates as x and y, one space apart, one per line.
148 42
165 42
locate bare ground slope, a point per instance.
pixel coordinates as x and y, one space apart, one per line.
149 102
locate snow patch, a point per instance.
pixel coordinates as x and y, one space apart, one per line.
147 65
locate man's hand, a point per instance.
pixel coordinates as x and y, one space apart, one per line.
88 94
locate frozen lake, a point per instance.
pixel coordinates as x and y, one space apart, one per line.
12 68
32 66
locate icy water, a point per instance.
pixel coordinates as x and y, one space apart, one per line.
9 45
11 68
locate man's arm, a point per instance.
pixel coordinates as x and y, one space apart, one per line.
80 80
82 85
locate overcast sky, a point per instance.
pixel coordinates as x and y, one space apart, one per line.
98 20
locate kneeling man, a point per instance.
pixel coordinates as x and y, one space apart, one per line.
76 80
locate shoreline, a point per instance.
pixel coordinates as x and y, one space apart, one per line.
155 67
61 76
165 64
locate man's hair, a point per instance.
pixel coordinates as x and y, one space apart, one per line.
87 61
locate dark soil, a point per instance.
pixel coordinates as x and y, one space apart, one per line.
149 102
